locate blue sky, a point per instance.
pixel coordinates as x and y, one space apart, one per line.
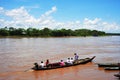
103 15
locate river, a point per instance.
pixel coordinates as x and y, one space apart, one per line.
19 54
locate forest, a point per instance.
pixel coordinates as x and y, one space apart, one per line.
46 32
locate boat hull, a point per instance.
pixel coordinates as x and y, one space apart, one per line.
108 65
112 68
117 75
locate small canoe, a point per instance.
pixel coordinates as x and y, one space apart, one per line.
56 65
117 75
108 65
111 68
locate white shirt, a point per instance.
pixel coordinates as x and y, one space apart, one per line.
71 61
68 61
42 65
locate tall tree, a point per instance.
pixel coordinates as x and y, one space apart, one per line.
4 31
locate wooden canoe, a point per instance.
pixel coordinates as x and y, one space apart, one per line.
78 62
111 68
117 75
108 65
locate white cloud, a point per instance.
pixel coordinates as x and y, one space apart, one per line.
21 18
50 11
1 10
19 14
91 22
110 26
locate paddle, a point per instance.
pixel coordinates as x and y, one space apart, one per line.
27 70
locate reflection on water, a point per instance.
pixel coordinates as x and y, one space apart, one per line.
19 54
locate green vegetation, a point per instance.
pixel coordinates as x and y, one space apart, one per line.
46 32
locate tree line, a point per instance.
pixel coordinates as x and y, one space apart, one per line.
46 32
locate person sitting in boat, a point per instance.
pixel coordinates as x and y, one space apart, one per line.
62 63
42 65
68 60
47 63
71 60
36 65
76 56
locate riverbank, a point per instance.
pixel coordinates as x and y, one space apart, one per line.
52 36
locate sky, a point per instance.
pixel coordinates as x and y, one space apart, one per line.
102 15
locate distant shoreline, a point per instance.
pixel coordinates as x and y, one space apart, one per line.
113 34
52 36
46 32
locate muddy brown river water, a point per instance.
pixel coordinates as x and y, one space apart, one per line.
18 55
